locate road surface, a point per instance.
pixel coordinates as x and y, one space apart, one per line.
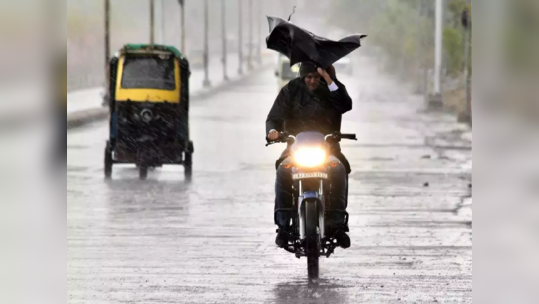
165 240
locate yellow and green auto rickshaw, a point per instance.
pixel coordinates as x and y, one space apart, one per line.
148 94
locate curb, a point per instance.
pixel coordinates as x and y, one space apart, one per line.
82 118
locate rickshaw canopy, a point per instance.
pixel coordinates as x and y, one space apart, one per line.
150 48
143 79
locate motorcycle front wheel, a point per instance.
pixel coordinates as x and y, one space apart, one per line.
312 249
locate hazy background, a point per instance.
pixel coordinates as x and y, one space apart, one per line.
505 100
401 34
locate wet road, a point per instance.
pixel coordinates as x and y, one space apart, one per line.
164 240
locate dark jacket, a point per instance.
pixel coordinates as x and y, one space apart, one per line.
302 110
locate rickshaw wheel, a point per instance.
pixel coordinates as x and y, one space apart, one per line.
188 165
108 161
188 161
143 172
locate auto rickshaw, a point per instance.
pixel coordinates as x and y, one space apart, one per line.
148 94
284 72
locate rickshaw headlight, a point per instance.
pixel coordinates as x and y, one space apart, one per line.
146 115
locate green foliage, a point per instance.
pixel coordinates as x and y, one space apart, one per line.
454 49
454 12
405 30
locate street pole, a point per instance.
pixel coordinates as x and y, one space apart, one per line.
206 82
152 23
250 56
223 29
436 99
162 21
182 15
418 54
466 23
468 80
240 37
107 33
438 55
439 42
259 22
106 98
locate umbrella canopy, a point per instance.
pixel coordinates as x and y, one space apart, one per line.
300 45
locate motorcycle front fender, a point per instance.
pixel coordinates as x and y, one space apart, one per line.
310 197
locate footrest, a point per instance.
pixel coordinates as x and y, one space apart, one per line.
330 212
289 211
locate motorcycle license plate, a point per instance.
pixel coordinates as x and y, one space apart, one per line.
310 175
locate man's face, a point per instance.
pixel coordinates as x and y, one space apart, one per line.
312 80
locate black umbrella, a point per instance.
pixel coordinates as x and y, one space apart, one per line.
300 45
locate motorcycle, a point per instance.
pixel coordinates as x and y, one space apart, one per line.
310 152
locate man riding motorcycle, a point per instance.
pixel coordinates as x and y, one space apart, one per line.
313 102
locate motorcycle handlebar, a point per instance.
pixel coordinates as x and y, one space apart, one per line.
283 138
348 136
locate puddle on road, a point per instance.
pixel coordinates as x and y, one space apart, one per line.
75 193
133 210
232 119
319 291
256 167
381 159
423 224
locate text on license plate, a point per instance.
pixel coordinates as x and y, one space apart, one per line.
310 175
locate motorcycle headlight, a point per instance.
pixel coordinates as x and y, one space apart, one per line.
310 157
146 115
